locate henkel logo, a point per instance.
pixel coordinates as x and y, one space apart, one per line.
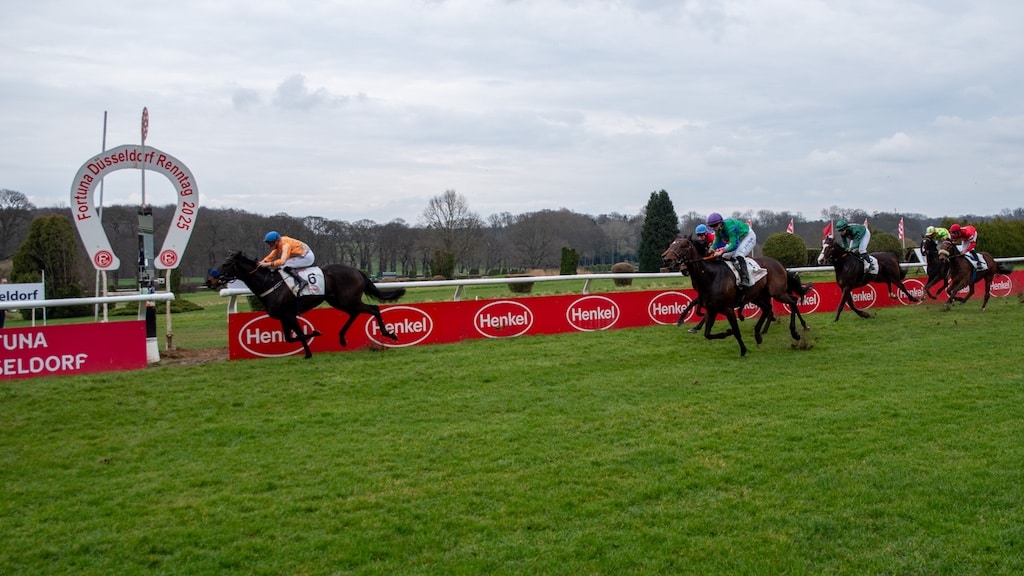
410 324
666 307
1002 285
808 304
592 313
262 336
864 297
503 319
915 287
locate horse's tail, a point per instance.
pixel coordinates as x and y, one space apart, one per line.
371 290
903 272
1004 268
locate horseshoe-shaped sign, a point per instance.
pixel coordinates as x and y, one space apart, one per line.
134 156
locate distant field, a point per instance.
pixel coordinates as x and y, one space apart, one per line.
890 446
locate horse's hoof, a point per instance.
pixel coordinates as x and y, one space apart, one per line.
314 333
392 336
692 330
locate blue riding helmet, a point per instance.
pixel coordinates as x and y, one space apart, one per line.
714 219
701 229
272 236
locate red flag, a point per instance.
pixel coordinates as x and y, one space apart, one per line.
789 229
901 229
826 231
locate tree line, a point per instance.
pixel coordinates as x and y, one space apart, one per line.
450 240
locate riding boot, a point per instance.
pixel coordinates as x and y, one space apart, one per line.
867 261
741 264
300 284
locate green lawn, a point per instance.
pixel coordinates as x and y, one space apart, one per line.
889 446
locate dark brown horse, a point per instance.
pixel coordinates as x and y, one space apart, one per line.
344 287
796 289
963 274
716 288
937 268
850 274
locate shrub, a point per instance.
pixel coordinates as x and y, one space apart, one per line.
623 268
520 287
788 249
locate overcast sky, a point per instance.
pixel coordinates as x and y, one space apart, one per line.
367 109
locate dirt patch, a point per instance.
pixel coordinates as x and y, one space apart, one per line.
192 357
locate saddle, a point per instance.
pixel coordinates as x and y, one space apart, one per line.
754 271
979 264
314 281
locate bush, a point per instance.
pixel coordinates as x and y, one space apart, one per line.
570 261
520 287
788 249
885 242
623 268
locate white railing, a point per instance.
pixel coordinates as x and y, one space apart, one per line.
234 293
53 302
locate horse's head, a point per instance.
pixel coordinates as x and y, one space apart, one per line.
828 251
681 251
235 266
947 250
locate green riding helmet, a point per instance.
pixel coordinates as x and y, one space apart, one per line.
842 225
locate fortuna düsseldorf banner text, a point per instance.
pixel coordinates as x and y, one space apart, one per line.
72 349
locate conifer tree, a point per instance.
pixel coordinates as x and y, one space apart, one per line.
661 227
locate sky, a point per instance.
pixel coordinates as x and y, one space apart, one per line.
355 110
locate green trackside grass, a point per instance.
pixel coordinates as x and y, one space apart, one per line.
889 446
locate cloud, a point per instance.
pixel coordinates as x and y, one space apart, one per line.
897 148
293 94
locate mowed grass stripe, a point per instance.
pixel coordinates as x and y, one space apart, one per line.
892 445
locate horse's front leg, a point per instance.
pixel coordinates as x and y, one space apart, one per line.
291 326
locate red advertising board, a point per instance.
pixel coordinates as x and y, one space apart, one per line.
72 349
255 335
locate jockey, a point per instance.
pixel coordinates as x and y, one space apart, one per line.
287 253
936 233
705 235
855 238
968 238
735 241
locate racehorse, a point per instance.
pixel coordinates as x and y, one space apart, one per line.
716 288
937 268
344 287
796 290
850 274
963 274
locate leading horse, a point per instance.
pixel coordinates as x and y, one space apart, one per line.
716 288
344 287
963 274
850 274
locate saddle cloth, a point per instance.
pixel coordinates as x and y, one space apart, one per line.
872 265
754 271
313 276
978 264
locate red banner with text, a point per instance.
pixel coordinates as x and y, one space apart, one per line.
72 349
255 335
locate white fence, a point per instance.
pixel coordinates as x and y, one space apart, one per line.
234 293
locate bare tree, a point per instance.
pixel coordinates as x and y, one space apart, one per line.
15 216
455 229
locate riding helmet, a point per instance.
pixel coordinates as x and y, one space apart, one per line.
701 229
842 225
714 219
272 236
929 231
954 228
